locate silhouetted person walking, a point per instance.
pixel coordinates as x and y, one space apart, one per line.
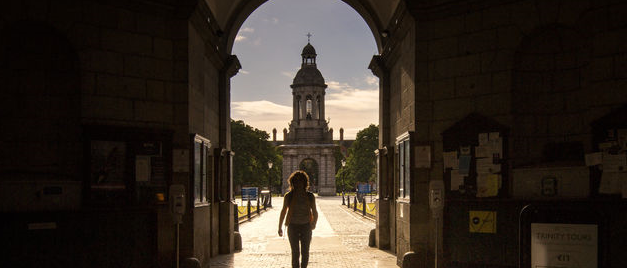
301 218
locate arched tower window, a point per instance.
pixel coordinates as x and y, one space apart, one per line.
309 107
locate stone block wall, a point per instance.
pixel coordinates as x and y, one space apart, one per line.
546 70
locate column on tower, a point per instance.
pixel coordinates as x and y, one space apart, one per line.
295 107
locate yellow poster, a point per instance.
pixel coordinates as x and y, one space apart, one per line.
482 221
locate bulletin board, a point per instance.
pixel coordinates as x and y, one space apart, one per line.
608 160
126 166
474 158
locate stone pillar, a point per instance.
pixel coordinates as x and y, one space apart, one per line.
386 209
295 107
322 114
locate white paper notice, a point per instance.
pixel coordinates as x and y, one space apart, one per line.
485 166
564 245
487 185
483 151
594 159
456 180
483 138
614 163
497 146
450 160
493 136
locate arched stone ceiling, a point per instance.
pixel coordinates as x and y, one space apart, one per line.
231 14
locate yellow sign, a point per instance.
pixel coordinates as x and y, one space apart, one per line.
482 221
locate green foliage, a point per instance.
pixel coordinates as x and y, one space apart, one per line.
360 163
253 151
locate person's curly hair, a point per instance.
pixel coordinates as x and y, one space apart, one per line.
298 175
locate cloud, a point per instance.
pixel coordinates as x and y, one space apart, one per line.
257 42
240 38
259 109
264 115
247 30
372 80
275 21
244 72
351 108
288 74
348 107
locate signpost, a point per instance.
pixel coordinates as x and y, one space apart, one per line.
249 193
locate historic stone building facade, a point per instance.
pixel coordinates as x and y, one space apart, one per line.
309 143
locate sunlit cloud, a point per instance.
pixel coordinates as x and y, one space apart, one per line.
348 107
244 72
264 115
240 38
288 74
372 80
257 42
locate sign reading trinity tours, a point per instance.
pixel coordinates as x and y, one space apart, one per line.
564 245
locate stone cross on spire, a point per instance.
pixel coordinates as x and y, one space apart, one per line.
308 37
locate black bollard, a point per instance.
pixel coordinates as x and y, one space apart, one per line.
248 207
343 203
355 202
258 212
363 201
349 202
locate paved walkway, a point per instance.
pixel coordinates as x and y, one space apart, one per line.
339 240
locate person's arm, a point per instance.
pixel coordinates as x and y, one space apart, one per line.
314 211
283 211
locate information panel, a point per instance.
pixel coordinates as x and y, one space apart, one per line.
564 245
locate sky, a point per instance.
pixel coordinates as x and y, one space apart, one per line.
268 46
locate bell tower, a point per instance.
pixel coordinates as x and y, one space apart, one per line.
308 89
309 143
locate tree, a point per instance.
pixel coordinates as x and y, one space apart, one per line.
253 151
360 163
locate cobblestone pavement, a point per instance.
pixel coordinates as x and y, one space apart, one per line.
339 240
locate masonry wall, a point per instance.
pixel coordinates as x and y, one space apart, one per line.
109 64
546 70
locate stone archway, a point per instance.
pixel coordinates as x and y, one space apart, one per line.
376 15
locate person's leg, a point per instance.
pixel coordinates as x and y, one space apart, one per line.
293 235
306 241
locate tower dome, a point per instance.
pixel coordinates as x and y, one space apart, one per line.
308 73
309 50
308 76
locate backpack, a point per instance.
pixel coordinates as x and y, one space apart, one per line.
291 203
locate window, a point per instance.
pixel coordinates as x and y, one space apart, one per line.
201 170
309 107
404 165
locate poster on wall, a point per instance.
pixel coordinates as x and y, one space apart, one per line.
564 245
107 165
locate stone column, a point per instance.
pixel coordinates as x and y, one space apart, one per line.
385 204
295 107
